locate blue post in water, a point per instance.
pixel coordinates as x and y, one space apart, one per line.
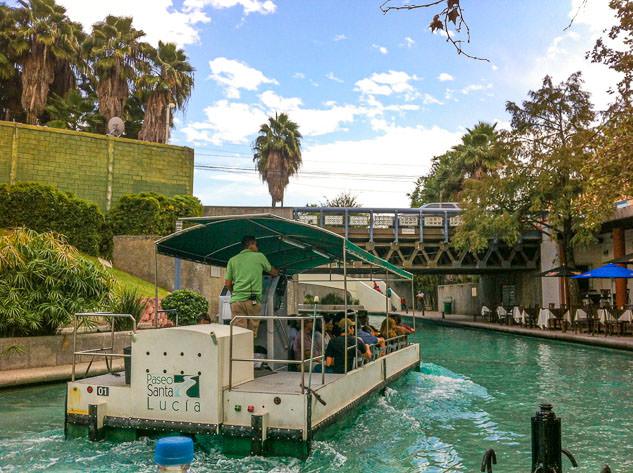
174 454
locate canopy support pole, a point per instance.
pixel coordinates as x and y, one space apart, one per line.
412 303
345 298
156 286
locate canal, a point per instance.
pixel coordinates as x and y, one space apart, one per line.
476 390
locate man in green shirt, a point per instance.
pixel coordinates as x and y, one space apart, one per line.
244 280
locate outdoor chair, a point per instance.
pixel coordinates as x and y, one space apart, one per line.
532 314
557 322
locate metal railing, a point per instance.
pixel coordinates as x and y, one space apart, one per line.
301 333
103 351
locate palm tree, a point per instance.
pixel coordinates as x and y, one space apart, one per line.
168 77
277 154
115 52
480 150
10 85
45 43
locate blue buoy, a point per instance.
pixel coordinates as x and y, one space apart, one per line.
174 454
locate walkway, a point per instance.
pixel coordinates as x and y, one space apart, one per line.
456 320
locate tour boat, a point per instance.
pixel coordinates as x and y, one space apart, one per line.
217 379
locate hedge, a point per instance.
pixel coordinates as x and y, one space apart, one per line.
188 304
149 213
44 208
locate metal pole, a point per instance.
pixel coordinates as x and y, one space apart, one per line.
345 298
387 303
74 344
156 286
413 303
302 358
323 359
231 354
355 349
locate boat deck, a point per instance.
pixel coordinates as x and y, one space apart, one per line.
108 379
285 382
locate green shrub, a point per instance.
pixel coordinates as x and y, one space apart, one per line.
332 299
188 304
127 301
43 281
149 213
46 209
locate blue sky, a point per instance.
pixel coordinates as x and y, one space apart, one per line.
376 96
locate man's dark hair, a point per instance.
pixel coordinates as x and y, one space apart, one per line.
248 240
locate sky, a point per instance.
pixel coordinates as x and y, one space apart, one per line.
375 95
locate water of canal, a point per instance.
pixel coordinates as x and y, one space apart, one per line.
476 390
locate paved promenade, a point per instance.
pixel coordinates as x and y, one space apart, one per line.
455 320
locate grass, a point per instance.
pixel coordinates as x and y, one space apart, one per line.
143 288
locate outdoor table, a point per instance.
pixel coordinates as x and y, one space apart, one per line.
627 316
544 316
604 315
581 314
502 314
519 315
485 312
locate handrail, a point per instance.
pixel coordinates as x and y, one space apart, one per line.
273 360
98 351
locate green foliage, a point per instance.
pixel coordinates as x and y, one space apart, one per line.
332 298
149 213
43 281
344 199
308 299
277 154
188 304
44 208
74 112
540 188
127 301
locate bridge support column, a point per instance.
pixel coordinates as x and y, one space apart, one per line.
618 252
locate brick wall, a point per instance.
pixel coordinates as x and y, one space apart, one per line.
97 168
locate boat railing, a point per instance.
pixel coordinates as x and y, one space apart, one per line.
106 352
301 363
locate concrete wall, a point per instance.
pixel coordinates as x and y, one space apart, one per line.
97 168
463 300
135 255
54 350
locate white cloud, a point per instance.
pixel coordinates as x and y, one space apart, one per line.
249 6
445 76
475 87
279 104
339 37
236 75
408 42
388 83
382 49
226 122
429 99
331 76
166 22
298 75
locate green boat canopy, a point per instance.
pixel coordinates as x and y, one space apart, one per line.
292 246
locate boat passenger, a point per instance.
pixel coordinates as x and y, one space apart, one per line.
308 327
403 329
335 351
368 334
388 328
328 329
244 280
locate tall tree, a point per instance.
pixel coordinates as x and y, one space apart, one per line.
277 154
45 43
540 187
168 78
344 199
10 84
114 49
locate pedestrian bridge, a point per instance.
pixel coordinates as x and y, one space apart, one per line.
418 239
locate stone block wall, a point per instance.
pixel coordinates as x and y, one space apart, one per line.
97 168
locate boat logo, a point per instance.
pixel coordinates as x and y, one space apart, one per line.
186 385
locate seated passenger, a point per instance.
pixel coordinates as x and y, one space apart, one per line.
367 334
335 351
402 328
388 329
329 326
308 326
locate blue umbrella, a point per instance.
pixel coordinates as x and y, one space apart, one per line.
609 271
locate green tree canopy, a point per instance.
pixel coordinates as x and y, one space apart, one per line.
540 187
344 199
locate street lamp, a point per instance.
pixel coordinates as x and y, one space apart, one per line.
167 116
